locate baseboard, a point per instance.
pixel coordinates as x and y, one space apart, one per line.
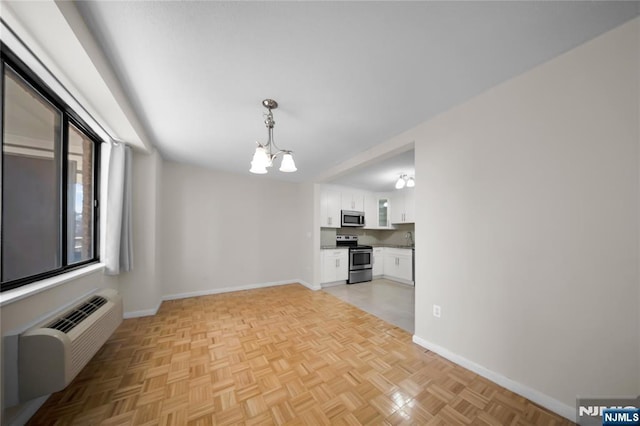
309 286
398 280
142 313
150 312
333 284
27 410
237 288
539 398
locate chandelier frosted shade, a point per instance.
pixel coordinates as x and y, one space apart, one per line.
260 161
287 164
405 180
265 154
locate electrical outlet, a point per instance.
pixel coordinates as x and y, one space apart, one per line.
436 311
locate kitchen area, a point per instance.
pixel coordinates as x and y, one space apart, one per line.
387 254
367 241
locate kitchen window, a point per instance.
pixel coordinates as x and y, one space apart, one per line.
50 175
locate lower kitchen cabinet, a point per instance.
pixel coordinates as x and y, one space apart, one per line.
398 265
335 265
378 261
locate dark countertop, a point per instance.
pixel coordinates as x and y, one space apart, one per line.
374 246
400 246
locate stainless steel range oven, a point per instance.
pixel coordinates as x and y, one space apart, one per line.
360 259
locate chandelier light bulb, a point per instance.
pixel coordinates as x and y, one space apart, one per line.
411 182
400 183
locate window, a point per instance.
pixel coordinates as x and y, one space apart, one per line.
80 199
49 181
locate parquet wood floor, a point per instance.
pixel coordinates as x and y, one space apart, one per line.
279 355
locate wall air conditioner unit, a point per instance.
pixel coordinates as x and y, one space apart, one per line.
51 354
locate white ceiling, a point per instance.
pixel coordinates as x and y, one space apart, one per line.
382 175
347 75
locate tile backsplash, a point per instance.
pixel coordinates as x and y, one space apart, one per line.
370 236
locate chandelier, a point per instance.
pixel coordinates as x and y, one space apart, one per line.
405 180
265 154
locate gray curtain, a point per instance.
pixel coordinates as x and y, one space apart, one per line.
119 244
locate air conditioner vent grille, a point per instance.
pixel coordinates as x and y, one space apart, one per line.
75 317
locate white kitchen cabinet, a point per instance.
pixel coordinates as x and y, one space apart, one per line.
378 261
398 264
352 200
383 210
330 207
410 205
376 211
335 265
403 204
397 207
370 211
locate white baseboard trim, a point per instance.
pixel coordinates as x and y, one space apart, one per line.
27 410
150 312
237 288
309 286
333 284
546 401
143 313
398 280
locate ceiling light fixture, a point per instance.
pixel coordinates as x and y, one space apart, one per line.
264 155
405 180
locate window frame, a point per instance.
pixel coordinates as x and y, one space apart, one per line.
69 117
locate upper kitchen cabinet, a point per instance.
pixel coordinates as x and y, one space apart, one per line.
370 212
403 206
383 209
330 199
352 200
376 211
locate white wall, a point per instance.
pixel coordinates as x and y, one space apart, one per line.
527 225
141 288
306 244
224 231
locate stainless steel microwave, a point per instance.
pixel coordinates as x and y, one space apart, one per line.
352 218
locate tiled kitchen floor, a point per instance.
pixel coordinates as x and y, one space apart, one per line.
391 301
